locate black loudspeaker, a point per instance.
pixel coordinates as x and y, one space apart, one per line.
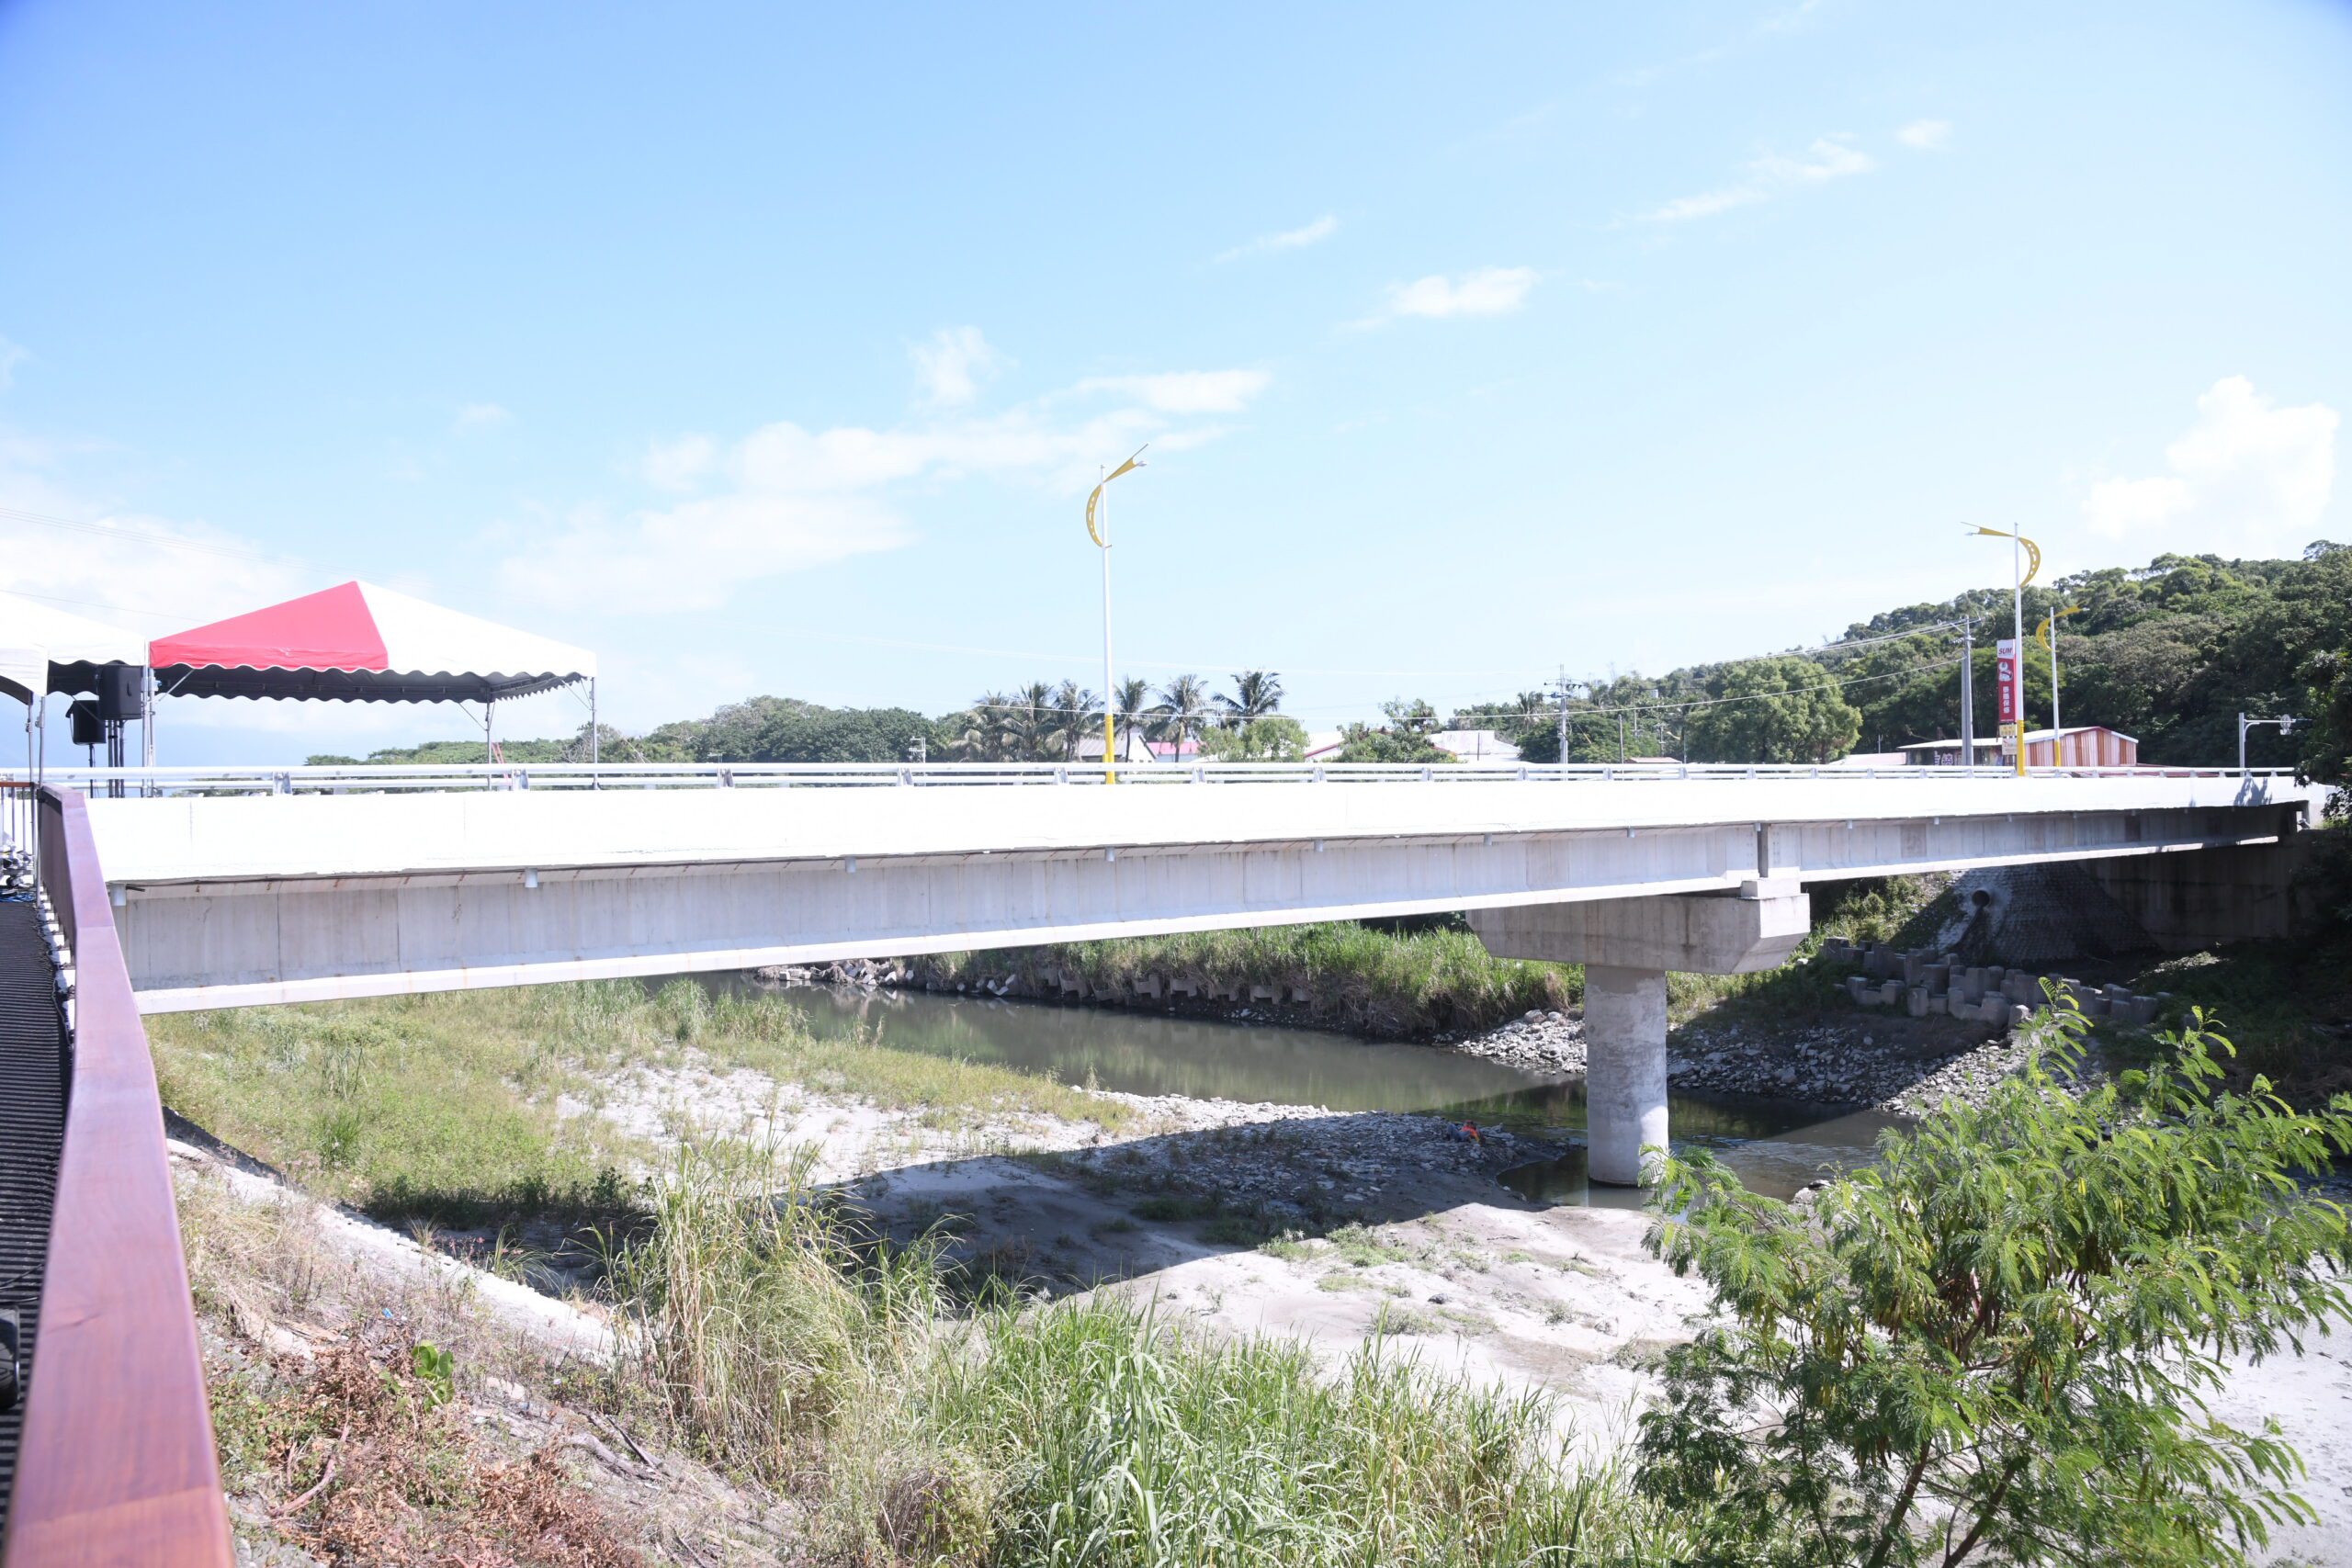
90 729
119 689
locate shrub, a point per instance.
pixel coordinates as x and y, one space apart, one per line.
1998 1340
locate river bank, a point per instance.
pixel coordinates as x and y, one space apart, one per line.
1836 1057
1234 1221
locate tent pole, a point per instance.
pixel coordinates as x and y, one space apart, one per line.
489 746
592 721
147 717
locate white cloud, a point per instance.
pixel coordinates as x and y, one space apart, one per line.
148 574
1927 135
784 498
1296 239
11 355
1186 391
678 464
2247 479
952 365
1829 158
1487 291
474 418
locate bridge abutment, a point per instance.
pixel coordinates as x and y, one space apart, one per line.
1626 946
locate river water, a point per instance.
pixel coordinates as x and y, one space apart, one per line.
1775 1146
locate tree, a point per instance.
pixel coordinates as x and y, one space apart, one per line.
1998 1340
1134 699
1256 694
985 733
1410 715
1781 709
1182 712
2327 745
1077 713
1031 722
1277 737
1361 743
807 733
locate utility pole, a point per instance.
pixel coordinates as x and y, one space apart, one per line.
1968 693
1563 717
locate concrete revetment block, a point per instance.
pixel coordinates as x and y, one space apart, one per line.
1915 999
1891 992
1994 1010
1855 985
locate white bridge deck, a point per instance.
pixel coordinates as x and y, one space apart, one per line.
237 886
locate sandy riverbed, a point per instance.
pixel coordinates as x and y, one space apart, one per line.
1381 1225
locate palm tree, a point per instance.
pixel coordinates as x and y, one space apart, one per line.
1183 710
1032 721
1073 716
1256 694
1135 696
986 729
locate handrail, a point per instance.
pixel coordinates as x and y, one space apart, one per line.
399 777
117 1463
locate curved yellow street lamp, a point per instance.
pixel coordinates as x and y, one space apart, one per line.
2046 634
1098 506
2018 546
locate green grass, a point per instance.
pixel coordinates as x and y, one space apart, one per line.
444 1108
1367 979
790 1349
1362 1247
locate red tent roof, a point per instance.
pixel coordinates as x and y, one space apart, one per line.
357 642
327 630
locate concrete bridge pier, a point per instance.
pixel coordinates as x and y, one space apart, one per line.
1627 945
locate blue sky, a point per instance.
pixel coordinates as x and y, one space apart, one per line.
773 352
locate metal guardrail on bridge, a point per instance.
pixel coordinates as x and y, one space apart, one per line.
383 779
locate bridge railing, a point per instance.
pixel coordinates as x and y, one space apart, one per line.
391 778
116 1464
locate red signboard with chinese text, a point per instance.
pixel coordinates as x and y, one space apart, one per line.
2012 707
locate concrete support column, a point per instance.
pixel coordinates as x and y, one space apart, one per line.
1625 1082
1626 946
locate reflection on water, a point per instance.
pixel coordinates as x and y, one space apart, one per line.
1776 1146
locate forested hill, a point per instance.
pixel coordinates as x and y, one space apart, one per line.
2170 652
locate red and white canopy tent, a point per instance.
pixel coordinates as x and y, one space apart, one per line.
364 644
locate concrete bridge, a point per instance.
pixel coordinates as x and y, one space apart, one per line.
237 887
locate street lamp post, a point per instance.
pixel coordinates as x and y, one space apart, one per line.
2019 546
2047 632
1098 504
2286 723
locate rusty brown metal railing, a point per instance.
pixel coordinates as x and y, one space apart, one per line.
117 1464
